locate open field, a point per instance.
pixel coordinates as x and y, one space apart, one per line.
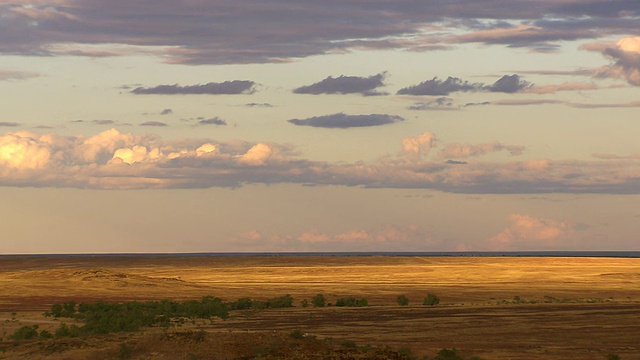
569 308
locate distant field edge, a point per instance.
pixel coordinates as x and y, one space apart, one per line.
551 254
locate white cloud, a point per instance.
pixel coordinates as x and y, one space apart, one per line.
257 155
385 238
114 160
22 150
529 233
418 147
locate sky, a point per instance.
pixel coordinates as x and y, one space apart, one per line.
352 125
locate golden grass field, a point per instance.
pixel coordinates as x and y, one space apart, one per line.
570 308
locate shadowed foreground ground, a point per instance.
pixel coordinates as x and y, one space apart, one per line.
495 308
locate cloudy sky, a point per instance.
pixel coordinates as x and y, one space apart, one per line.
351 125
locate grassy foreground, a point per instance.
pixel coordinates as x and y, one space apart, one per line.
494 308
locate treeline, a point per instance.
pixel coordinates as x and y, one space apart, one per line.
102 317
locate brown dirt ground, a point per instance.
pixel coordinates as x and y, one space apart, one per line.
592 309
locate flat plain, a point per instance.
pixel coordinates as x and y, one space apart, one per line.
491 307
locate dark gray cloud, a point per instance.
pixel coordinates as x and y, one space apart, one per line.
212 88
625 57
213 121
103 122
455 162
525 102
345 85
264 105
343 121
441 103
259 31
9 124
436 87
508 84
153 123
166 112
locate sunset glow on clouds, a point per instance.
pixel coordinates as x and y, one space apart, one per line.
332 126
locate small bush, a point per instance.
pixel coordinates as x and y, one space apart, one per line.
297 334
352 302
348 344
318 301
403 300
613 357
25 333
304 303
125 351
448 354
431 300
67 331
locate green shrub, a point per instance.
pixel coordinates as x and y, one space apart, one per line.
403 300
67 331
352 302
318 301
25 333
448 354
297 334
431 300
348 344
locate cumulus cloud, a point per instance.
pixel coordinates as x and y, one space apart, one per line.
115 160
458 151
258 155
384 238
436 87
343 121
345 85
166 112
418 147
213 121
212 88
625 57
529 233
22 151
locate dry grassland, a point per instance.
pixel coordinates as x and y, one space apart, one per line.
571 308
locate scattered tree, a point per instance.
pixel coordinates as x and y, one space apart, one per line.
318 301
